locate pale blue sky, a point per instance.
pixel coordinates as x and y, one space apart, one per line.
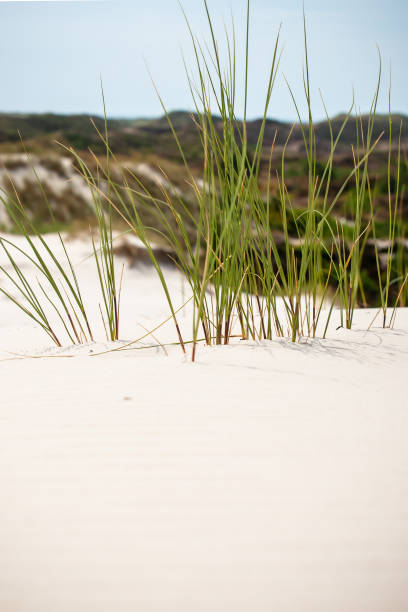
51 53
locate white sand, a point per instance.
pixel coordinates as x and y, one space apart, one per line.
267 478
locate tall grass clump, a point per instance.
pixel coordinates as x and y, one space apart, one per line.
56 288
350 252
55 296
246 280
242 280
100 188
216 249
395 225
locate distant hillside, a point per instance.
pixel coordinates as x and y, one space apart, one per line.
154 136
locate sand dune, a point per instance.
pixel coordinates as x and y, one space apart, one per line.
267 477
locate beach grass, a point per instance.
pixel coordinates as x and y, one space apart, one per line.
243 278
61 294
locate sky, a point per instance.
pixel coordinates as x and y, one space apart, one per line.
52 54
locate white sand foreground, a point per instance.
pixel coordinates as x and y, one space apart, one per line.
267 478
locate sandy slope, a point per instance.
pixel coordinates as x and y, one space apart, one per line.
266 477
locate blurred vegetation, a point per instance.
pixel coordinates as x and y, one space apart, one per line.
148 148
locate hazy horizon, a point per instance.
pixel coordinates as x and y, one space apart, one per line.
174 110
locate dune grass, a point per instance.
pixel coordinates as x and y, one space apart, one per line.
104 251
50 299
236 271
244 280
53 299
